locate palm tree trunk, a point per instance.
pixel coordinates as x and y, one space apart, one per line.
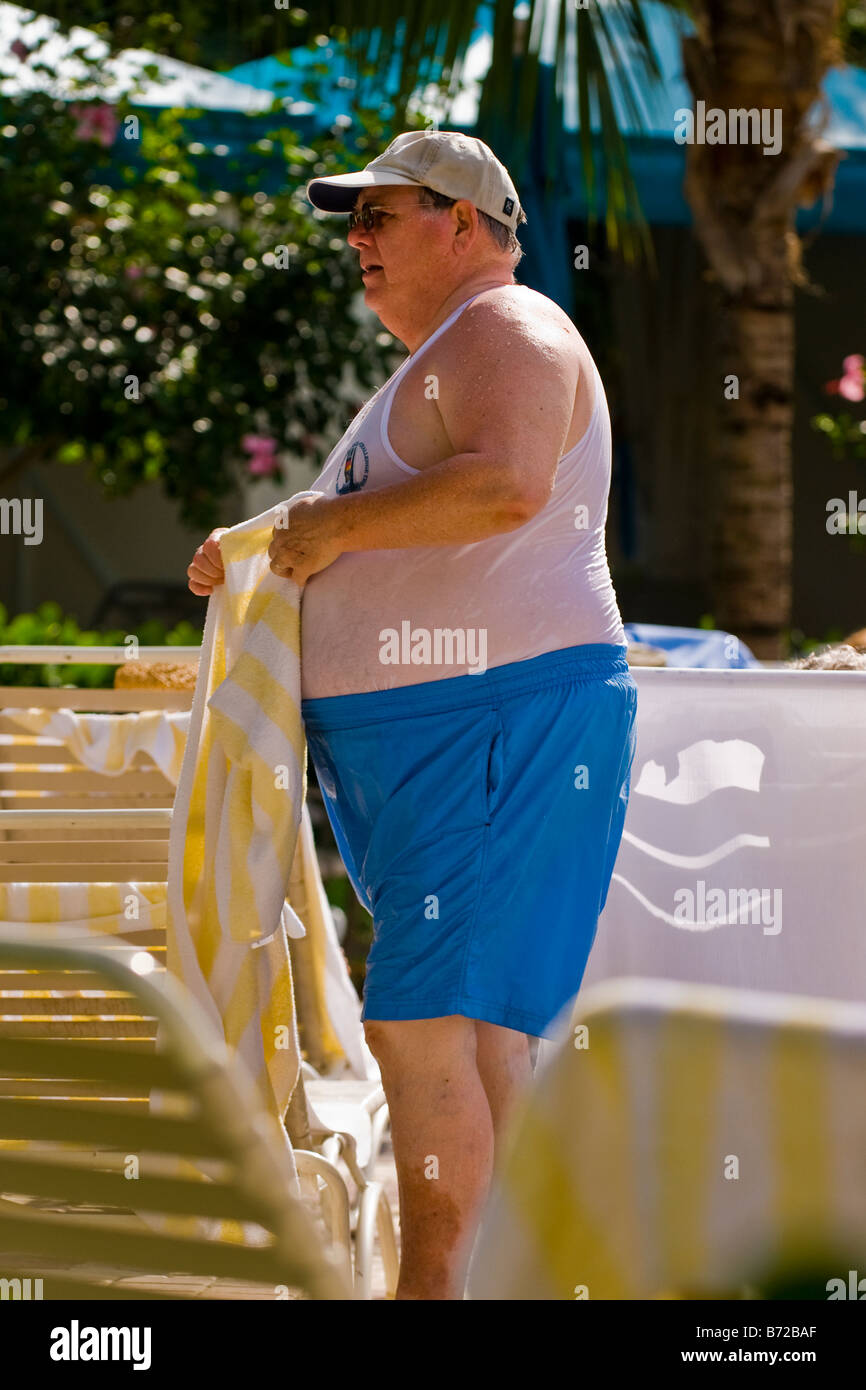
753 514
769 57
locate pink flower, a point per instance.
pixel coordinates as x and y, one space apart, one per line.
852 382
262 449
95 122
20 50
133 272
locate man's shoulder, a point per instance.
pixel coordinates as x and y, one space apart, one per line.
508 346
514 316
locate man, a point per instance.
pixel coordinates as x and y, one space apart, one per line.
467 703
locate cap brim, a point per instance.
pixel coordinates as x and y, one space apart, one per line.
338 193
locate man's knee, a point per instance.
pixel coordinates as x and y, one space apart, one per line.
427 1041
380 1039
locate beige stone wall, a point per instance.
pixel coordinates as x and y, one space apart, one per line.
89 542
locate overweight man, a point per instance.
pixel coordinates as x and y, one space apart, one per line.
466 698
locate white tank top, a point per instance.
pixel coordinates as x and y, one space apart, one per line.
375 619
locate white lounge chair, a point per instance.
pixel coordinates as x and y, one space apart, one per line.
74 1117
64 824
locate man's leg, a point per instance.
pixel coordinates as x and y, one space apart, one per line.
442 1134
444 1083
505 1068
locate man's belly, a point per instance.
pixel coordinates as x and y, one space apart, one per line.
379 619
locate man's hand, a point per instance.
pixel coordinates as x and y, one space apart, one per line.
206 569
308 542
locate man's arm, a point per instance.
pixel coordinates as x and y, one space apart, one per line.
506 395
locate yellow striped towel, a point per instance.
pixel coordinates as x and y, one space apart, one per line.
109 742
682 1140
93 909
237 811
332 1006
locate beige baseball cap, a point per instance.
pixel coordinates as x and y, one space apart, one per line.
456 165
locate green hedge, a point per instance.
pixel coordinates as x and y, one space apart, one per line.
48 626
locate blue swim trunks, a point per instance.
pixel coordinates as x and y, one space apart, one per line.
479 817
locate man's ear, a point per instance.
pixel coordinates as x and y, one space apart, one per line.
466 219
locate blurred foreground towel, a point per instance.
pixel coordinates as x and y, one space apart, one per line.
683 1141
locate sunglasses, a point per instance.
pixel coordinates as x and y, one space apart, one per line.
370 217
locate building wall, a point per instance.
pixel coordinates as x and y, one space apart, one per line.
90 542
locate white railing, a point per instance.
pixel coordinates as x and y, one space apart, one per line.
120 818
95 656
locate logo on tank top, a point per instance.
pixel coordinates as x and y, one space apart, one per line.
354 469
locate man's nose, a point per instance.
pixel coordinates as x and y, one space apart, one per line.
358 238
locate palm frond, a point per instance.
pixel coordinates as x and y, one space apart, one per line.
601 58
414 42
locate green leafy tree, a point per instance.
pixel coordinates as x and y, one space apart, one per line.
165 324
